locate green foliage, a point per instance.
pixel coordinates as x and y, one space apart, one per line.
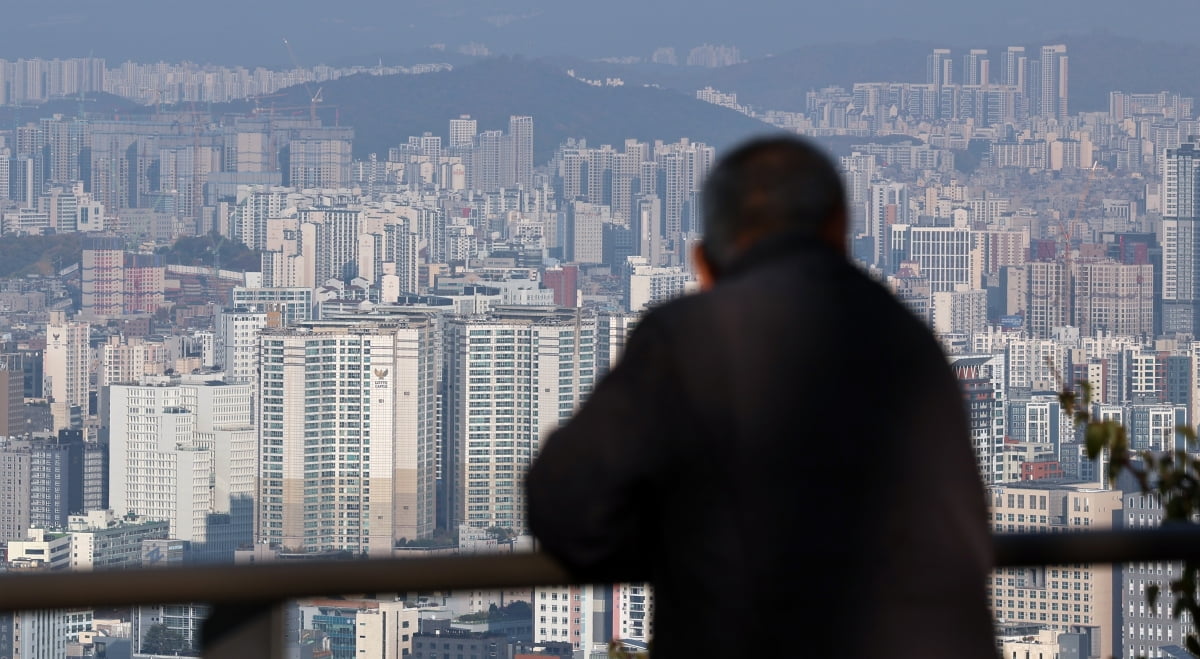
439 538
501 533
1172 477
519 610
160 639
616 650
38 255
200 250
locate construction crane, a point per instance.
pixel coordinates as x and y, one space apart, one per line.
257 107
1066 229
314 97
312 106
158 97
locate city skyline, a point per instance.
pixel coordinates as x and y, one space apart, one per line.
290 329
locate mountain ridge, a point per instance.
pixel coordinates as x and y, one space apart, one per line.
386 110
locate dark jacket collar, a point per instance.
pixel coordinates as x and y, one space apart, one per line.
778 246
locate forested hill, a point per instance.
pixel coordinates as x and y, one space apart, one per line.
386 110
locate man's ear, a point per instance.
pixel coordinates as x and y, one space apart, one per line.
705 273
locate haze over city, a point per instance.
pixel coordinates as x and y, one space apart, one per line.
315 281
247 33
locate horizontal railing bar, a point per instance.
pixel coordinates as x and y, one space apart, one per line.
1171 542
280 581
275 582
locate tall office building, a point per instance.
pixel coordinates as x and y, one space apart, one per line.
49 481
599 174
1181 240
1053 82
487 163
185 453
684 165
42 633
584 240
572 170
858 171
186 620
513 376
67 361
15 470
946 256
348 434
625 170
887 205
520 135
12 397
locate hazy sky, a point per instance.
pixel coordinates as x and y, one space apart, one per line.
251 32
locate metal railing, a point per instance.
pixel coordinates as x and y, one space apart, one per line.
247 619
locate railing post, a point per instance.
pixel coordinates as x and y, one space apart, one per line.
234 631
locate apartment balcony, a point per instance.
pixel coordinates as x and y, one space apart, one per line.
247 618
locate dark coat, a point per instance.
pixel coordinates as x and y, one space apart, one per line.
786 458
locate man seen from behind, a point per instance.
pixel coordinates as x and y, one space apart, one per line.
785 455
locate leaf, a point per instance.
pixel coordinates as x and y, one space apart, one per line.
1095 439
1086 387
1188 432
1066 399
1152 597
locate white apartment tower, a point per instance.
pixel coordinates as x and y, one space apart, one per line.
512 377
463 131
237 343
255 207
348 434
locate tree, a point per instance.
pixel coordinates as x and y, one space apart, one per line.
1171 476
502 534
160 639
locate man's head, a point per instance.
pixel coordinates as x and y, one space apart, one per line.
768 187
